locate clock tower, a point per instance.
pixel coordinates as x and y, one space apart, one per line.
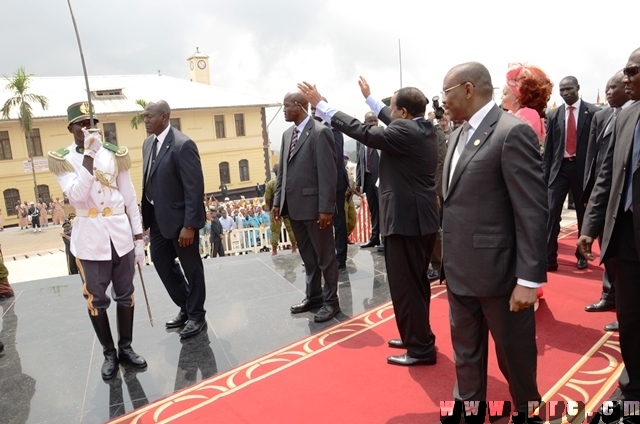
199 67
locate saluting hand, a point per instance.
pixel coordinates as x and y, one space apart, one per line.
310 92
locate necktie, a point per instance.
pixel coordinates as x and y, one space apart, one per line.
632 167
462 142
612 121
572 133
294 140
368 158
149 185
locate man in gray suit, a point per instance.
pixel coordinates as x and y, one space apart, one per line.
601 129
495 205
306 193
614 211
172 207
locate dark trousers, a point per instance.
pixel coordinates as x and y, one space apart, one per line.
568 178
608 276
514 333
317 249
217 248
340 228
187 290
97 275
407 260
627 285
35 221
370 189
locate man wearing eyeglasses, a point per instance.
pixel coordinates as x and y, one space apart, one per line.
565 155
493 255
614 210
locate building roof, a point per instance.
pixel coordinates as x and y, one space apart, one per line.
179 93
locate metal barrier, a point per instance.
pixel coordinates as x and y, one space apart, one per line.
244 240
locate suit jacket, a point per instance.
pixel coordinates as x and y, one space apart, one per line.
606 201
342 181
178 184
598 143
495 209
307 182
408 163
361 166
555 143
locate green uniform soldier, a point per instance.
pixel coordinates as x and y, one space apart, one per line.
269 193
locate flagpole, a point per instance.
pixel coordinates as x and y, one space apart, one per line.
84 66
400 60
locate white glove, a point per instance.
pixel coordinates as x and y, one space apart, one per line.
92 140
139 251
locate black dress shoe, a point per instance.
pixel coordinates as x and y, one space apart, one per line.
370 243
552 266
582 263
408 361
342 265
305 305
397 343
192 328
178 321
433 274
600 306
326 313
381 247
129 356
109 366
613 326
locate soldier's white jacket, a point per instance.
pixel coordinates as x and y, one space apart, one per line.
107 189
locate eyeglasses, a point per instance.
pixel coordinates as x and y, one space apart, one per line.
446 90
631 71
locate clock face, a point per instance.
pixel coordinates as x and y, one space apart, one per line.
202 64
191 65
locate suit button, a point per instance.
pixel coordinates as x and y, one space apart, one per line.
99 191
102 203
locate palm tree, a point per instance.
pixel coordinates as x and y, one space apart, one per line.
139 117
21 100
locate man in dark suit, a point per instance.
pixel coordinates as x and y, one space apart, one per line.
601 130
614 211
306 193
564 158
408 207
366 178
495 203
342 182
172 208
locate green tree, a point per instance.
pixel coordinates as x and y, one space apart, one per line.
21 100
139 117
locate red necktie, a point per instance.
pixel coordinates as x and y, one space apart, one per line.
572 134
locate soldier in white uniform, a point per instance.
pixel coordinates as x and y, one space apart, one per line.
107 231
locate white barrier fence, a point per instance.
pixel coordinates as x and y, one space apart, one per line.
244 240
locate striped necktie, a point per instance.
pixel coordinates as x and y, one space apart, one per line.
294 140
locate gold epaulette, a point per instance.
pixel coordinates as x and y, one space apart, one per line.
122 155
58 164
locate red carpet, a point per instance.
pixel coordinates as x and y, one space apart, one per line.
341 374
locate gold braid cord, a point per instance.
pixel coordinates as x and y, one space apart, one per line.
106 180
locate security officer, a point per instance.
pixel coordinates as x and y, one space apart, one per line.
107 231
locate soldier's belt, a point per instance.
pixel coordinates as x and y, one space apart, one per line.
93 212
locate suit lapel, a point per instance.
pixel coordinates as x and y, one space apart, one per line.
475 143
609 123
166 145
583 114
302 137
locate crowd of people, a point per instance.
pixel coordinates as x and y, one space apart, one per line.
471 195
37 214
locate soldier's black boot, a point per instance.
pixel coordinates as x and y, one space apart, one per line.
125 332
103 331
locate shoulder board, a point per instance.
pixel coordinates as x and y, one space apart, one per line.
58 154
113 147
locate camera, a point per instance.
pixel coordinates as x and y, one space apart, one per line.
437 109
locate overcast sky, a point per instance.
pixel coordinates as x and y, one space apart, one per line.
264 47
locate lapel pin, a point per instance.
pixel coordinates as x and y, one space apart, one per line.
306 133
476 143
484 133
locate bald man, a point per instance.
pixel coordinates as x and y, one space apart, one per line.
172 189
493 258
306 193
